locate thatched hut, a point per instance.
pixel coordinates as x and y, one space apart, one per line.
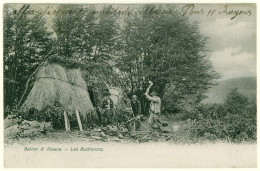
55 84
74 86
122 104
120 99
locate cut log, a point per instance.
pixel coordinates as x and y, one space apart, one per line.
96 138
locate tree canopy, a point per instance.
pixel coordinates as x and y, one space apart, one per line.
26 42
167 49
170 51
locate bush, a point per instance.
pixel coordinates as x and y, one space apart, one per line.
234 120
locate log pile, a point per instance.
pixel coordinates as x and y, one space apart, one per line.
16 128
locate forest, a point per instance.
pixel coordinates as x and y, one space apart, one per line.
131 50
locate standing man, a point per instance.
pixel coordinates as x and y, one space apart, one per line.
136 107
107 114
155 108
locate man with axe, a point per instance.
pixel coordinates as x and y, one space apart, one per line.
155 108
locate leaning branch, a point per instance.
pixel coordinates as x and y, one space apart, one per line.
30 77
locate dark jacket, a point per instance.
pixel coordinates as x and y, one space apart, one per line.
136 107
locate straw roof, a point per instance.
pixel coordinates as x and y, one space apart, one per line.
121 101
54 84
68 83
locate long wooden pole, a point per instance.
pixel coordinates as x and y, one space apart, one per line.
66 120
143 125
79 121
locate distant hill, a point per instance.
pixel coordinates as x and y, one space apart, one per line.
245 85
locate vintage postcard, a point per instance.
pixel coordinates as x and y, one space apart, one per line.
141 85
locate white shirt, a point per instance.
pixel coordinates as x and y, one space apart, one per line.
155 105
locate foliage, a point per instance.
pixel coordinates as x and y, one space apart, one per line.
89 41
84 36
170 51
26 42
167 49
73 32
235 120
80 37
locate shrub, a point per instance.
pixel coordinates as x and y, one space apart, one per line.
234 120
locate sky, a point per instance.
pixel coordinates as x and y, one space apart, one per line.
231 40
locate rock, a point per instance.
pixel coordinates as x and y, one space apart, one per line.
120 136
30 133
104 139
175 128
113 128
32 124
165 123
87 133
103 135
114 139
97 134
27 129
123 129
165 129
133 135
46 126
104 128
168 138
12 130
10 121
96 137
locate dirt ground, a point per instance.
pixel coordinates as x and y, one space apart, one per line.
61 136
78 149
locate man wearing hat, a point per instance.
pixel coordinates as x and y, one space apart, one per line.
136 107
155 108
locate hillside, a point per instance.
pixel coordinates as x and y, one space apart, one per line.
245 85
